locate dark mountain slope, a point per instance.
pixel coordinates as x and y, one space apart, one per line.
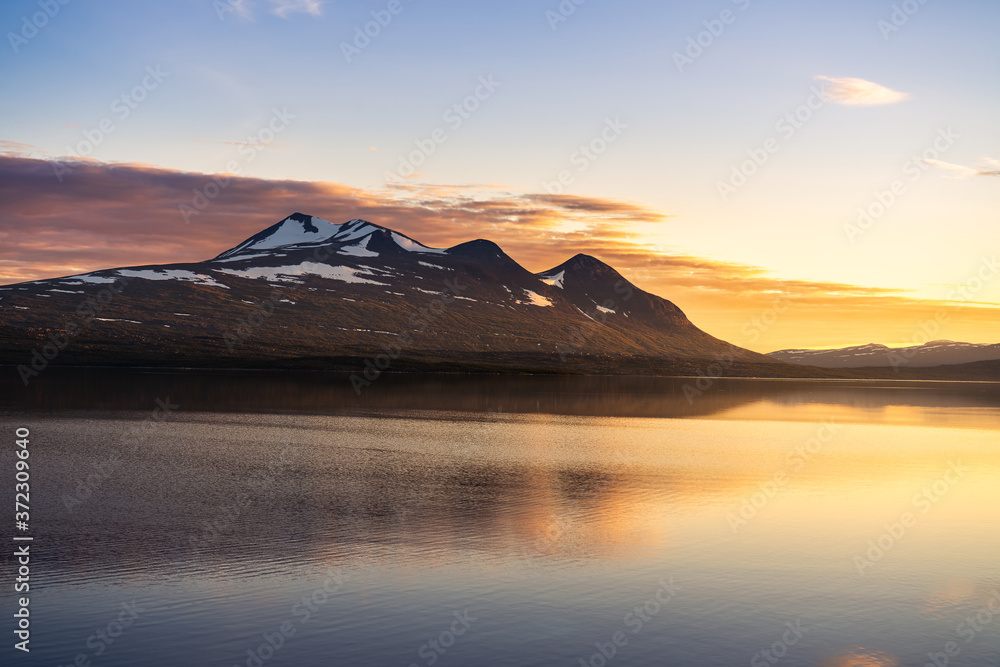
308 293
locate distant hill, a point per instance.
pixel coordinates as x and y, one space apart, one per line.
977 371
934 353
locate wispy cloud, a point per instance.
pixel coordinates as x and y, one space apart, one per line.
283 8
273 144
17 149
241 7
960 171
858 92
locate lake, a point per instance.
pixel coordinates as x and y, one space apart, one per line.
259 519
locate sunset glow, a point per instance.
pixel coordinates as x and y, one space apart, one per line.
838 197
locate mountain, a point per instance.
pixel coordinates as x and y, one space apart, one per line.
934 353
307 293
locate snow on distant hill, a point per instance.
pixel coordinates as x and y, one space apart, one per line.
934 353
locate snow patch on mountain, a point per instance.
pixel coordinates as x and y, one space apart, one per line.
171 274
537 299
555 280
290 273
357 250
238 258
354 230
86 278
294 232
407 243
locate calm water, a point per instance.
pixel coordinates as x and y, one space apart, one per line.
457 521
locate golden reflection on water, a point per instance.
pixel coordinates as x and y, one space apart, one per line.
616 488
886 414
951 594
859 657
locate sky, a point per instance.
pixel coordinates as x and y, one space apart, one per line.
791 174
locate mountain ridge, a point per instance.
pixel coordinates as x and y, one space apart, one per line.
932 353
305 290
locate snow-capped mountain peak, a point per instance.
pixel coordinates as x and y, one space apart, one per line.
354 230
295 230
305 231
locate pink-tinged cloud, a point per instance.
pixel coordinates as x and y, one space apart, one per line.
859 92
961 171
16 148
